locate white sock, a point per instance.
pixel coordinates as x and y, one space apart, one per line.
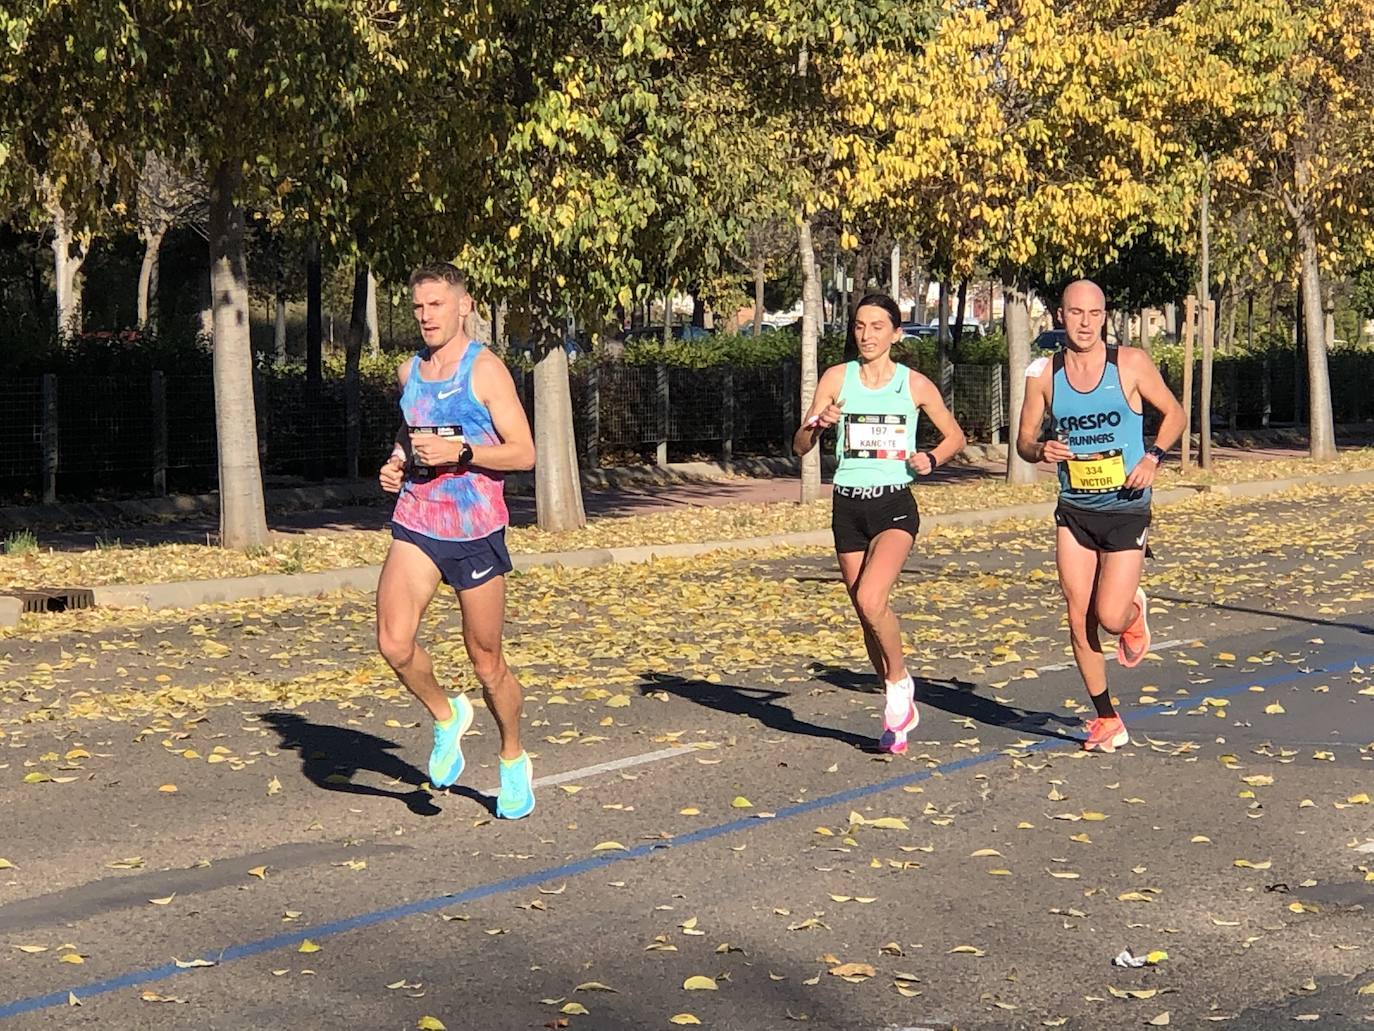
899 698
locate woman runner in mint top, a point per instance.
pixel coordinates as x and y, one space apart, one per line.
876 403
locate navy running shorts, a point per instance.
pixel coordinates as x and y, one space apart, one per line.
462 564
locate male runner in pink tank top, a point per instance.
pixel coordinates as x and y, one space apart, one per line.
464 429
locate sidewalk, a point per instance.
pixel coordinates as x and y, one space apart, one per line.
697 485
186 594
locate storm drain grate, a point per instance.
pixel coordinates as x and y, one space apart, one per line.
55 599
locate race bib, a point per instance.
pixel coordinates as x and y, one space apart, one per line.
1098 474
427 472
875 436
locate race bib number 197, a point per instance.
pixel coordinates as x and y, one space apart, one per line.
875 436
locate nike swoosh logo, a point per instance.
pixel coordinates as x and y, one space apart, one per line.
477 574
449 393
898 519
1141 539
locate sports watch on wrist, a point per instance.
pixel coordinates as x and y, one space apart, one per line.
465 455
1157 453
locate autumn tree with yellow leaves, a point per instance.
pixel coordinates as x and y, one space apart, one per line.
1293 83
1027 137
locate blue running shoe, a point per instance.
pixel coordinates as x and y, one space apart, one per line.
516 800
446 761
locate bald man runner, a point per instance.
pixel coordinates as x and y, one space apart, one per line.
1096 396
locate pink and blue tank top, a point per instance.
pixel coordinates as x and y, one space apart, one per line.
450 503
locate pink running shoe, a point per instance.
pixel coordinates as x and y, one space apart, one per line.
1106 734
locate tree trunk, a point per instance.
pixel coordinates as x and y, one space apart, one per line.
667 318
918 307
1207 317
69 253
760 269
374 335
810 337
896 274
207 305
1207 322
1232 311
314 316
353 352
1145 330
944 367
498 325
1016 301
557 486
279 330
242 516
1321 431
147 274
960 304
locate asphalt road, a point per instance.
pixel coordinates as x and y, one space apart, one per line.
712 806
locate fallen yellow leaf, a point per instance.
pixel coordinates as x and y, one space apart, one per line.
699 983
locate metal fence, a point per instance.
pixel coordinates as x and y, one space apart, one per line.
83 438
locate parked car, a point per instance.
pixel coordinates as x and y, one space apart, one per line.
922 330
687 332
918 330
747 329
1049 340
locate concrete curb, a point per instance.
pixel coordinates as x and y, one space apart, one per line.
1258 488
187 593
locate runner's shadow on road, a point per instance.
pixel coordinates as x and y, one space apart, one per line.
1359 628
959 698
755 702
332 756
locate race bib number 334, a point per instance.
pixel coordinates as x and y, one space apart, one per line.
875 436
1098 474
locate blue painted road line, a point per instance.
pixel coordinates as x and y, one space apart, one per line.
138 978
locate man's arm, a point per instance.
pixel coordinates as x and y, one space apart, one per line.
493 386
1028 443
1150 385
1156 393
392 473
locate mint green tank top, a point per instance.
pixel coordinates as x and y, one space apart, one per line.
877 432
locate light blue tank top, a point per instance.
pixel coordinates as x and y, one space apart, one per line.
1107 437
877 433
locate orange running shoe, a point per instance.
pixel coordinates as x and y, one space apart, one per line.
1134 642
1106 734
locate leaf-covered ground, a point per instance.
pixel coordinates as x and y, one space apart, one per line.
234 773
325 551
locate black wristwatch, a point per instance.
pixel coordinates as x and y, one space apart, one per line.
934 462
1157 453
465 455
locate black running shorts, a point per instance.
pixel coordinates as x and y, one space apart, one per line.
1106 531
858 514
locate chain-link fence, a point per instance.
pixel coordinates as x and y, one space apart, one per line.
78 438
